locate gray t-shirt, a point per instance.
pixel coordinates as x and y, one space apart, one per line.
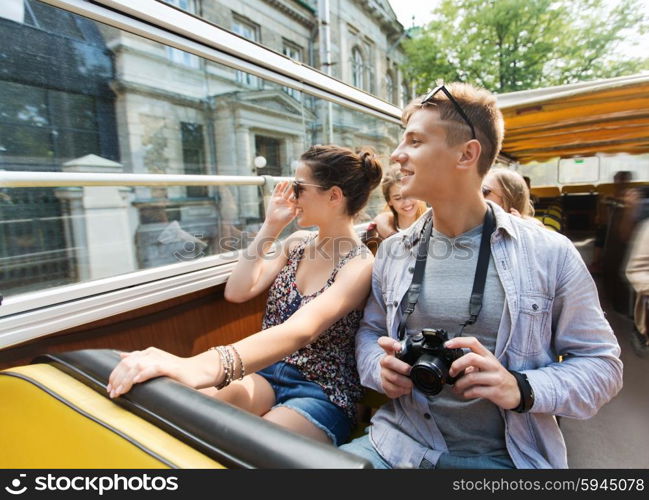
474 426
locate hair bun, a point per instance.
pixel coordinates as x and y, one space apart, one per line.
371 166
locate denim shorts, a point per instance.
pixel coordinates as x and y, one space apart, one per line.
307 398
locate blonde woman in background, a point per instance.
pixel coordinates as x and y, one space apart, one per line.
400 211
509 190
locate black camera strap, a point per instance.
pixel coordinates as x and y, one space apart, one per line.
475 303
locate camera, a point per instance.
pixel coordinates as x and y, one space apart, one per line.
429 359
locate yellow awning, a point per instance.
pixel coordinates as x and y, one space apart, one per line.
581 119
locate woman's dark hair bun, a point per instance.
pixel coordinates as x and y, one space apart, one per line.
356 173
371 166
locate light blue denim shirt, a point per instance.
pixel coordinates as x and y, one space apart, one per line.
551 308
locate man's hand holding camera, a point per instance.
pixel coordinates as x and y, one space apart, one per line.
480 374
484 376
395 374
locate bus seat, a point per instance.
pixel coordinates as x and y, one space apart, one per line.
551 212
546 191
51 420
578 188
549 221
606 189
56 414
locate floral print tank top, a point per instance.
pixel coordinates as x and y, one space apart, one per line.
329 361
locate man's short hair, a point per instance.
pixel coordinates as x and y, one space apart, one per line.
482 109
623 176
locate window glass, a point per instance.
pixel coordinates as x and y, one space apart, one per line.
638 165
296 53
42 127
246 29
176 55
540 174
193 145
150 117
250 31
369 75
53 20
578 170
405 94
389 87
321 37
358 68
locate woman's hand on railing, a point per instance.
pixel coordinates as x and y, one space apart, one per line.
202 370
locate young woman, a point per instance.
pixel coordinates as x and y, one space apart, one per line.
300 370
509 190
400 211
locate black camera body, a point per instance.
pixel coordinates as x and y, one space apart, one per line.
429 359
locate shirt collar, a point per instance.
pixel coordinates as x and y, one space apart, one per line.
412 235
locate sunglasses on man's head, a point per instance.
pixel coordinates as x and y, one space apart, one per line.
441 88
298 186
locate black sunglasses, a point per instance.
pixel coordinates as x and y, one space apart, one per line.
441 88
298 186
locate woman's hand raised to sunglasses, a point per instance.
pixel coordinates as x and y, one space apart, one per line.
282 208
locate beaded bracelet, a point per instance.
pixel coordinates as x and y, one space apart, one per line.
227 354
226 364
242 368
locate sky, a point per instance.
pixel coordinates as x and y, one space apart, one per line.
422 10
405 9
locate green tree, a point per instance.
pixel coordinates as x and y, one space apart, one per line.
508 45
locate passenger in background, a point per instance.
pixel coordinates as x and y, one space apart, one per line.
300 370
637 271
533 198
400 211
607 206
509 190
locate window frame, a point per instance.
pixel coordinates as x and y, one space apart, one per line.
34 314
358 67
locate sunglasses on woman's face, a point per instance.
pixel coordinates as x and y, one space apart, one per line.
298 187
486 191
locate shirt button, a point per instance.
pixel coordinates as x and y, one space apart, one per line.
427 416
395 303
535 307
411 269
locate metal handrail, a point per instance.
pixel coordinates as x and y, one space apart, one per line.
80 179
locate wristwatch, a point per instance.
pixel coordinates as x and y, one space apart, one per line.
527 394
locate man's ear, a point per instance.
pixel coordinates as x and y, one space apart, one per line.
470 154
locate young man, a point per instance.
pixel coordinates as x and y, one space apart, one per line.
538 303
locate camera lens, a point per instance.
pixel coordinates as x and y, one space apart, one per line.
429 374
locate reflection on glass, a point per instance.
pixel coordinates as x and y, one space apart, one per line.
84 97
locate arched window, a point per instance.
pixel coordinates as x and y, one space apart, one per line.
358 68
389 87
405 94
